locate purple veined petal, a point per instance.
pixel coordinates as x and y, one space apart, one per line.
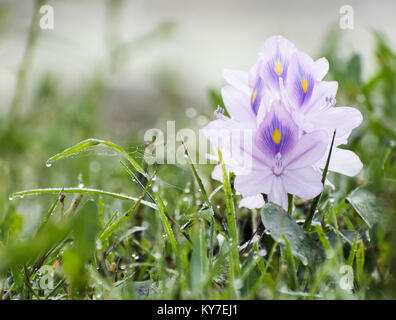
321 67
275 54
343 161
301 80
278 193
257 95
237 79
277 133
253 202
238 105
258 181
309 149
254 72
303 182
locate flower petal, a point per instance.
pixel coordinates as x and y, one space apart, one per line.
278 194
238 79
237 104
321 67
342 119
304 182
252 202
308 150
343 161
254 183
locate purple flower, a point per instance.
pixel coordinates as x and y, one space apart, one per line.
286 113
283 160
312 101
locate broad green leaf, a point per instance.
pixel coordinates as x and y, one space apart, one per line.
365 204
278 223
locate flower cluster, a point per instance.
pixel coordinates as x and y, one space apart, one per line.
288 114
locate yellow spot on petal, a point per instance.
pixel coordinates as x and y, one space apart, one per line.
254 96
278 68
276 136
304 84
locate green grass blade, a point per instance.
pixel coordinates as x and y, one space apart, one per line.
163 212
207 201
114 226
81 191
231 220
83 145
311 213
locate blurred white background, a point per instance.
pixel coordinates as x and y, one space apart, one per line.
209 36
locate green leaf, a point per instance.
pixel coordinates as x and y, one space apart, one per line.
163 211
278 223
116 224
231 218
366 205
360 261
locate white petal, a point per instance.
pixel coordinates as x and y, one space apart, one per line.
321 67
252 202
238 79
254 183
344 162
237 104
278 194
342 119
305 182
217 173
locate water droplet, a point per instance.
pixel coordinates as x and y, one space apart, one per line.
10 198
157 255
218 207
154 178
135 256
134 180
81 185
262 252
238 284
202 120
191 113
48 164
99 244
187 190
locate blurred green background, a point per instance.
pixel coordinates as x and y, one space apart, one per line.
113 69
